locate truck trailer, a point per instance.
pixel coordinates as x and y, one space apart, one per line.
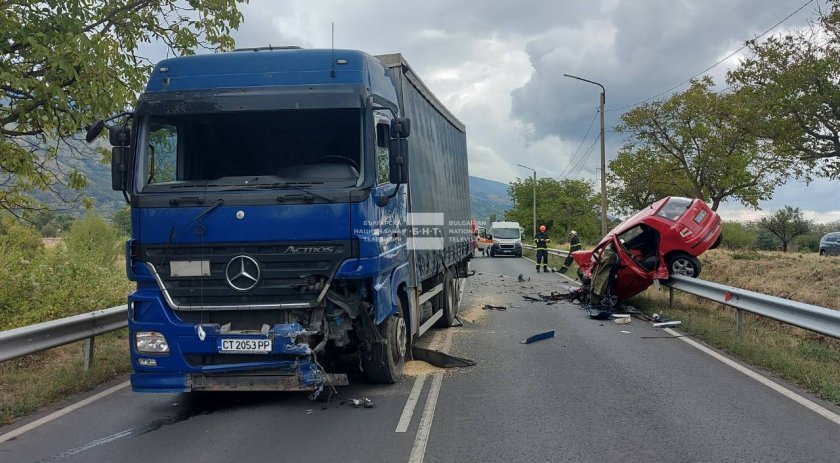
288 207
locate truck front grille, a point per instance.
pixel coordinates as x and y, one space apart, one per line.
290 274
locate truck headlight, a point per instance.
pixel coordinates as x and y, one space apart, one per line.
151 342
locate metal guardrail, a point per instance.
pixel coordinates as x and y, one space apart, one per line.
42 336
553 252
30 339
810 317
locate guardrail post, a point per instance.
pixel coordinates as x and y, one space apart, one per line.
671 297
89 345
739 322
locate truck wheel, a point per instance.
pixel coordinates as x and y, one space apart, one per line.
680 263
384 364
450 301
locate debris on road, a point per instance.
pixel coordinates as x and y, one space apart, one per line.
440 359
599 314
538 337
493 307
667 324
521 278
626 332
623 320
532 299
362 403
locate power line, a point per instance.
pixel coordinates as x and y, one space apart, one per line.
718 62
583 160
582 140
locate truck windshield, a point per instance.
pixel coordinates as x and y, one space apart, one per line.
506 233
318 146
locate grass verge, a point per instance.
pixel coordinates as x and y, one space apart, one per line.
32 382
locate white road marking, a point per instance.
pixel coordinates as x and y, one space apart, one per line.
410 404
810 405
52 416
418 449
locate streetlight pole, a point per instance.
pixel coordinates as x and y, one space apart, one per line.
603 156
534 202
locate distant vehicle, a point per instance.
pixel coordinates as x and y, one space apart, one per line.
506 238
481 239
656 242
830 244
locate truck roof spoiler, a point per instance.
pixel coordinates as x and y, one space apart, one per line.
270 48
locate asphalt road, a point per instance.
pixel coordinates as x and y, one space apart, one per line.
591 393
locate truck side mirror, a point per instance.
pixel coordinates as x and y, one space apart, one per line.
120 138
398 161
400 127
94 130
119 135
118 168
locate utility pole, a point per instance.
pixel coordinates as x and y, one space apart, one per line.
534 201
603 155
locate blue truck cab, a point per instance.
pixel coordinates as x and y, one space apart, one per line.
288 207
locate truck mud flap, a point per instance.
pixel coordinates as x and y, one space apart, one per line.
440 359
257 382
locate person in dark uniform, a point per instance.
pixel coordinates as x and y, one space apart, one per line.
541 240
574 245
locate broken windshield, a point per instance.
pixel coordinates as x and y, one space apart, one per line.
316 147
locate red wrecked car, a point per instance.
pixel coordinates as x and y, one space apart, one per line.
664 238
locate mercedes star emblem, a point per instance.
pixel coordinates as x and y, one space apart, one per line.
242 273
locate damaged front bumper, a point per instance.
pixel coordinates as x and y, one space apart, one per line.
215 358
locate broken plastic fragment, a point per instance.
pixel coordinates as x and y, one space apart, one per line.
538 337
666 324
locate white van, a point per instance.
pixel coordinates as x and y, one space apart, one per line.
507 239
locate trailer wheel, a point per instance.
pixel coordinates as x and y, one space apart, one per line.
384 363
450 301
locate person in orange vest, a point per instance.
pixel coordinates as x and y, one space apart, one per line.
541 240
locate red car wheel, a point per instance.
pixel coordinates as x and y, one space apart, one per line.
680 263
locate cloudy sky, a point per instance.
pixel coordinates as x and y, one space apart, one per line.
499 65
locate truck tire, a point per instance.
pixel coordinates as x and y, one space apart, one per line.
450 302
384 363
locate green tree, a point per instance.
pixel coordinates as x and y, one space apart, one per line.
795 81
662 176
738 236
786 224
697 143
64 63
564 204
